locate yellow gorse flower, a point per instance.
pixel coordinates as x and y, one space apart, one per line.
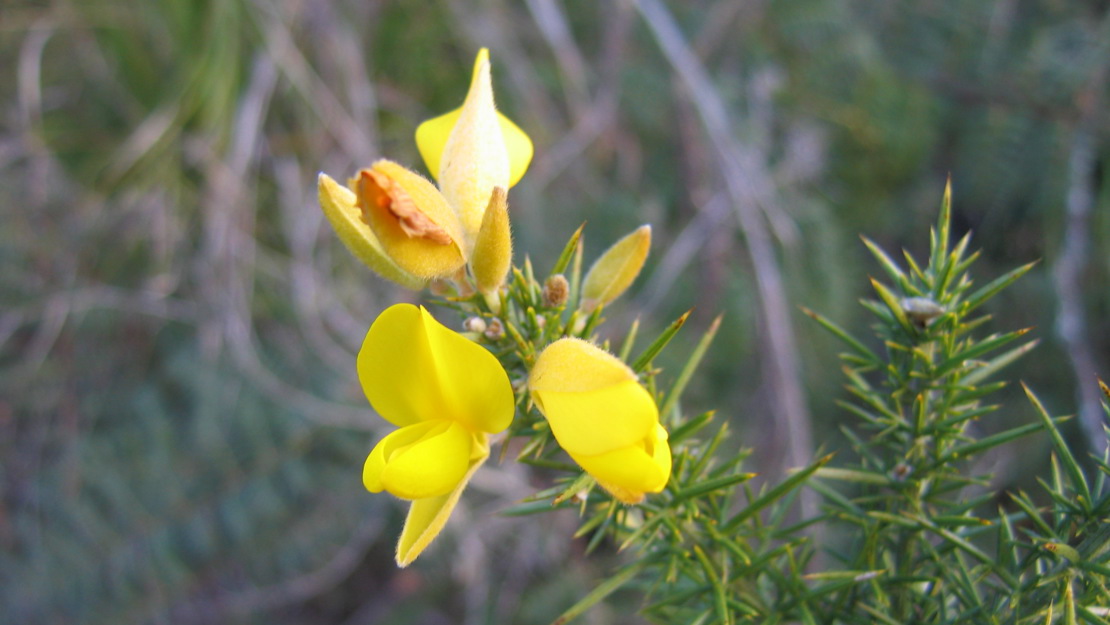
446 395
410 231
602 417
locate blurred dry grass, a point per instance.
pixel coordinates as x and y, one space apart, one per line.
180 426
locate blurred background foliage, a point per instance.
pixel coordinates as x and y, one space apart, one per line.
181 430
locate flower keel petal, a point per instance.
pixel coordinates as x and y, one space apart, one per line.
631 471
427 517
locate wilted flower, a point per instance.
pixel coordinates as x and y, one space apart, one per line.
341 208
409 231
446 394
602 417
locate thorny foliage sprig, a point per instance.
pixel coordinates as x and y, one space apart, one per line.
919 536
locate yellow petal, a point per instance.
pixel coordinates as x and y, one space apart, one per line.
433 134
594 422
417 228
631 471
592 401
493 250
414 369
613 272
422 460
428 516
340 207
573 365
474 160
431 138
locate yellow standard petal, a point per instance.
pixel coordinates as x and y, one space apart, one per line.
428 516
431 138
613 272
493 251
432 135
422 460
474 160
591 399
414 369
341 208
417 228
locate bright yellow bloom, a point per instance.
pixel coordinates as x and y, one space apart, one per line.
409 231
446 394
614 271
473 149
602 417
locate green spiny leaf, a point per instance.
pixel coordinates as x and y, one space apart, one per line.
858 347
1078 480
977 298
894 306
975 350
568 251
777 492
890 267
659 343
691 365
603 590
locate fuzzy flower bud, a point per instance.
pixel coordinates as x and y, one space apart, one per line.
495 330
613 272
493 250
555 291
474 324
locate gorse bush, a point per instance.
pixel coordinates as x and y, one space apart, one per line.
181 414
917 532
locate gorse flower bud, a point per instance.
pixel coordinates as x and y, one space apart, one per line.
495 330
555 291
921 310
493 250
614 271
474 324
446 394
602 417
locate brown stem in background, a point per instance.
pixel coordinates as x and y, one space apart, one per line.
1071 322
750 190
